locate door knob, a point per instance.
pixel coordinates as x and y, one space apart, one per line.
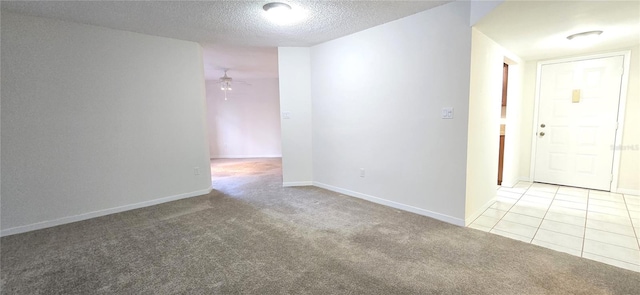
541 133
542 125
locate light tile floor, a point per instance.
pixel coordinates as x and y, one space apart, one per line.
596 225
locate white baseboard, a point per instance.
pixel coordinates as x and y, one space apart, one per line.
510 183
94 214
627 191
297 183
244 156
527 179
435 215
479 212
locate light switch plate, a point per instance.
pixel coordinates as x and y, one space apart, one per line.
447 113
286 115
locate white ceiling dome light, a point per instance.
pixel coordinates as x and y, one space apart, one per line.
283 14
277 7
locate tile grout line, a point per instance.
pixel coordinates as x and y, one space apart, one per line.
577 202
604 242
521 195
562 233
545 214
507 212
559 232
586 218
616 259
500 219
514 203
485 210
633 227
585 233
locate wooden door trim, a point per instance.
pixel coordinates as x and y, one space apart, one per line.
621 109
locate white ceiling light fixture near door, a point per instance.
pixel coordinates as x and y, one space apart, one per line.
538 30
585 35
584 39
283 14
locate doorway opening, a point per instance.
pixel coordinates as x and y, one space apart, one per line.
243 108
503 119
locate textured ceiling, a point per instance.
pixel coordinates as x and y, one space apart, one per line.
233 33
227 22
537 30
242 62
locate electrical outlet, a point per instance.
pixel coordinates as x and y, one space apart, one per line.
361 172
196 170
286 115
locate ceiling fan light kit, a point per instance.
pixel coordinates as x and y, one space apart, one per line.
225 84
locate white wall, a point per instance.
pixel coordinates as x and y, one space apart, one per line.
629 180
295 99
484 124
377 98
247 124
485 100
96 121
515 109
629 173
526 129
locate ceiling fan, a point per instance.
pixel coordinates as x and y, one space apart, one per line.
225 83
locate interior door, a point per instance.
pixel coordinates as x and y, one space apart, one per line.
577 122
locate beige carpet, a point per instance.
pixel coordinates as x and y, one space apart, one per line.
251 236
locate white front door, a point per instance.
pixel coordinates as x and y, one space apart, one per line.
577 122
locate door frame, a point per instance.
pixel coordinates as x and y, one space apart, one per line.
621 109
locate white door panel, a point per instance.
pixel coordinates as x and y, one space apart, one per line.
574 146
